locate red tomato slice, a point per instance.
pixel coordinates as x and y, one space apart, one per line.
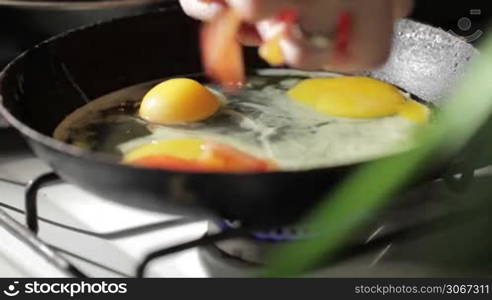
216 157
222 54
235 160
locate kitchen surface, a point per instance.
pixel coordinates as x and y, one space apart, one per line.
51 228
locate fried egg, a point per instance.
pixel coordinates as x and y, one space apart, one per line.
357 97
299 120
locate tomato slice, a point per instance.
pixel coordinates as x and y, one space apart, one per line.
235 160
216 157
222 54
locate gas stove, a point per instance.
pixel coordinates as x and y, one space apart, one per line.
65 231
100 238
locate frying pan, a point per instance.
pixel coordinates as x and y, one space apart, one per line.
47 83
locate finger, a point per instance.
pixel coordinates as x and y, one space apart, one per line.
256 10
204 10
300 51
308 45
402 8
320 16
248 35
371 36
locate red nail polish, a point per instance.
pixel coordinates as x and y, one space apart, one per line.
342 38
287 15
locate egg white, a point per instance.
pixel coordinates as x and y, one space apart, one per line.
263 121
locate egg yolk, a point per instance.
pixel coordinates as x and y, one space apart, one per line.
179 100
271 52
193 154
357 97
186 148
415 111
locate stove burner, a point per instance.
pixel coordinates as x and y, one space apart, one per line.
283 234
255 246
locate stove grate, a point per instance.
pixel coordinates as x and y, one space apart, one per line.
233 230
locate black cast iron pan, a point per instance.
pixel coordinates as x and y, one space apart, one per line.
47 83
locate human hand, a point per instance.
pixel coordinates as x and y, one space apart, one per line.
309 44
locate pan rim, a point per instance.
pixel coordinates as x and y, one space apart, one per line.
77 152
